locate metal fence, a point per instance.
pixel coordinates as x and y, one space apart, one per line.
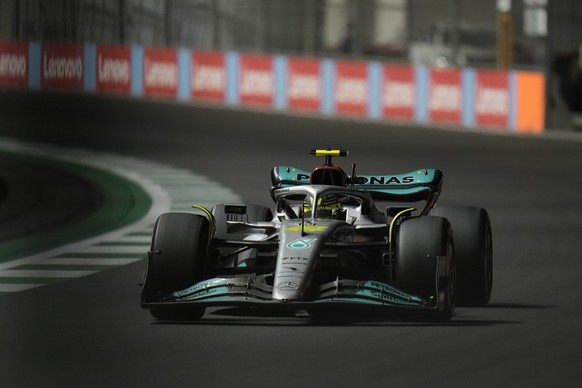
384 29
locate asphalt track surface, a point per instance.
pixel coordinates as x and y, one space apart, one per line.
39 197
91 331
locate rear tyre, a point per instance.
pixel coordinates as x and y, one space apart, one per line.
178 260
473 252
426 266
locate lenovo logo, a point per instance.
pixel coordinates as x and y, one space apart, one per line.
12 65
56 67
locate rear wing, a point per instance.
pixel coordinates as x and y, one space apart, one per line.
420 185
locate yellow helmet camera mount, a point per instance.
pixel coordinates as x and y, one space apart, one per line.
328 154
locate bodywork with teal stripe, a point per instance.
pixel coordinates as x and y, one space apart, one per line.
243 289
297 260
419 185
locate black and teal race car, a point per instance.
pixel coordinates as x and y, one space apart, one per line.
332 243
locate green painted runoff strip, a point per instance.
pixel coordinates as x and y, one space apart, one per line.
122 244
31 280
90 255
124 202
65 267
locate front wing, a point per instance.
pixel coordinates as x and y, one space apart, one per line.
249 291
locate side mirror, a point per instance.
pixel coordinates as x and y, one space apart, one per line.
235 209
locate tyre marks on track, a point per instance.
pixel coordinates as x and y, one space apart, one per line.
170 188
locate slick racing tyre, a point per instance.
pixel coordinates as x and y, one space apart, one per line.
473 253
177 260
425 263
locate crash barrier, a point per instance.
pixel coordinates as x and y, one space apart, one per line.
512 101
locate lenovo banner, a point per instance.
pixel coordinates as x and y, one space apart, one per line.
304 84
351 88
256 80
208 76
399 92
14 64
492 99
62 66
160 72
445 96
113 68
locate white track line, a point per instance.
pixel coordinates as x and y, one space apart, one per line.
86 261
169 188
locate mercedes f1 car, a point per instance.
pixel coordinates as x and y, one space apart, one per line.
326 246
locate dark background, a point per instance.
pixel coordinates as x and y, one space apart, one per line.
91 331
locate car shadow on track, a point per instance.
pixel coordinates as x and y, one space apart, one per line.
238 317
510 305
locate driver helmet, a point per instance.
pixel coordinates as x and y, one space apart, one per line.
328 207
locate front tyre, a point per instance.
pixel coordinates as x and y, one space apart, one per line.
426 266
177 260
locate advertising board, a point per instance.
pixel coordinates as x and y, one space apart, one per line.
256 80
160 72
14 65
531 101
113 70
304 84
208 76
492 99
399 92
62 66
445 96
351 92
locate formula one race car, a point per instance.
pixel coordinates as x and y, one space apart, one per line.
327 247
